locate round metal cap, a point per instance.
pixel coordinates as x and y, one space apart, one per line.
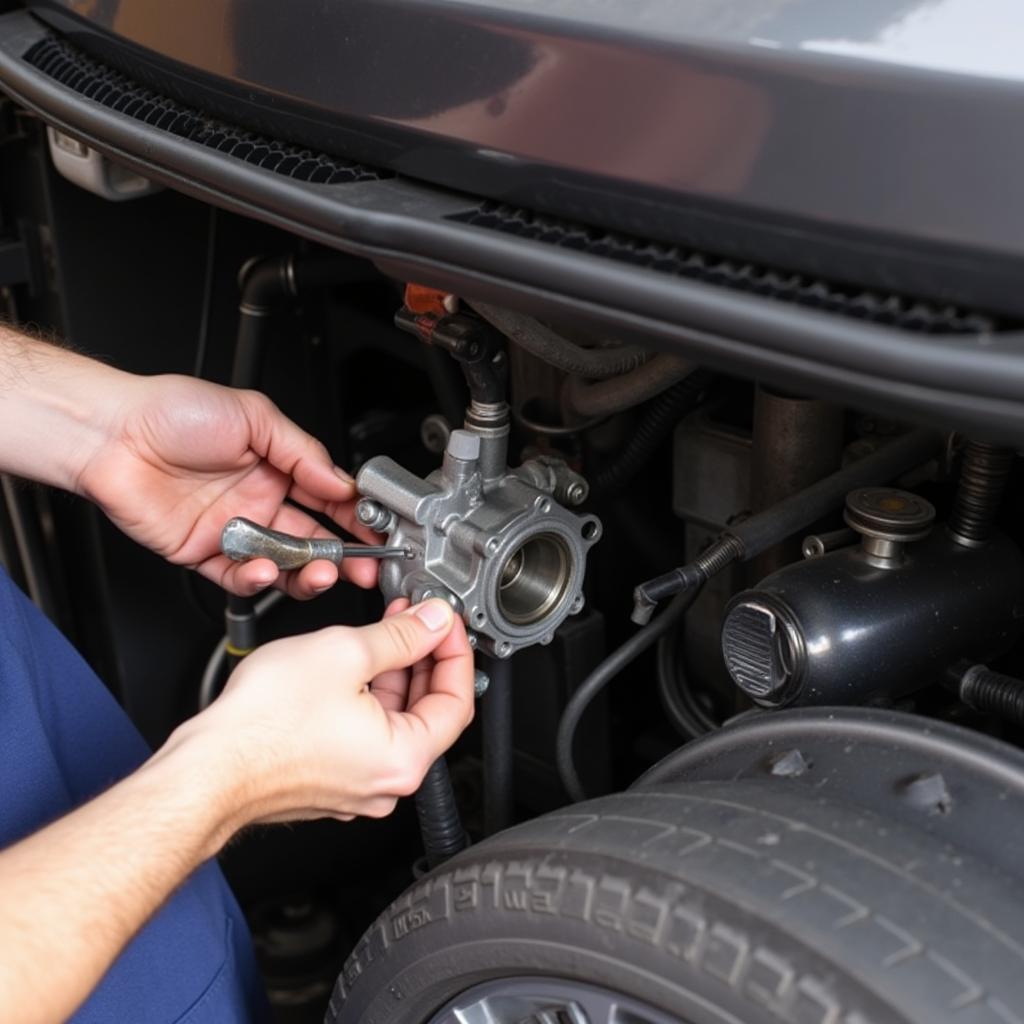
762 650
889 514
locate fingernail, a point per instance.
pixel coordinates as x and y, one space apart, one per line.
344 476
434 614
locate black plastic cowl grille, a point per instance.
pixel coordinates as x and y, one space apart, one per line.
74 69
892 310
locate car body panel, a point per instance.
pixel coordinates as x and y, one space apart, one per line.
869 141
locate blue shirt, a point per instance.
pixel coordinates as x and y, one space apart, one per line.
63 739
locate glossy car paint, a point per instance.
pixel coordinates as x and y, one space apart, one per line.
888 119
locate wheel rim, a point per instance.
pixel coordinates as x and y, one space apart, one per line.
546 1001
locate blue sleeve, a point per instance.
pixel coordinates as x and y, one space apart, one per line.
63 739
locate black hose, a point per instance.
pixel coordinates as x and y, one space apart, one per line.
656 423
448 385
552 348
782 520
438 814
498 748
749 538
688 718
600 677
596 398
264 284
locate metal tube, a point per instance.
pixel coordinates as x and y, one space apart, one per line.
761 531
748 539
795 442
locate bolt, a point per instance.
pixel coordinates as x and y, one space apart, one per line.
440 593
789 765
576 493
481 680
375 516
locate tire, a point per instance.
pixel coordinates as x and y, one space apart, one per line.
749 901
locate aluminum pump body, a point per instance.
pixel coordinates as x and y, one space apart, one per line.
497 543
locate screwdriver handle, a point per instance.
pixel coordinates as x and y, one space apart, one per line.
242 540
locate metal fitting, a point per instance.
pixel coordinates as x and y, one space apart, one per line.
496 543
374 516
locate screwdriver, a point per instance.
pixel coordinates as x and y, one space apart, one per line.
242 540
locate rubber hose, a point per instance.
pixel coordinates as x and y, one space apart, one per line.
657 422
498 747
604 398
440 825
263 284
747 539
599 678
686 716
552 348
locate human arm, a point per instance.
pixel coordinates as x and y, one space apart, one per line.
170 459
299 732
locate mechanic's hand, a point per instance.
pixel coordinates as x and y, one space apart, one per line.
183 456
334 724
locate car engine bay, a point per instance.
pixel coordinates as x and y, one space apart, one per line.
676 569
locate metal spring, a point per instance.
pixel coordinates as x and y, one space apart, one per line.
719 555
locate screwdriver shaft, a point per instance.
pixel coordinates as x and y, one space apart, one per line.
242 540
375 551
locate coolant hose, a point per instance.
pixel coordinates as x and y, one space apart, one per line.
440 825
264 284
557 351
656 423
594 399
